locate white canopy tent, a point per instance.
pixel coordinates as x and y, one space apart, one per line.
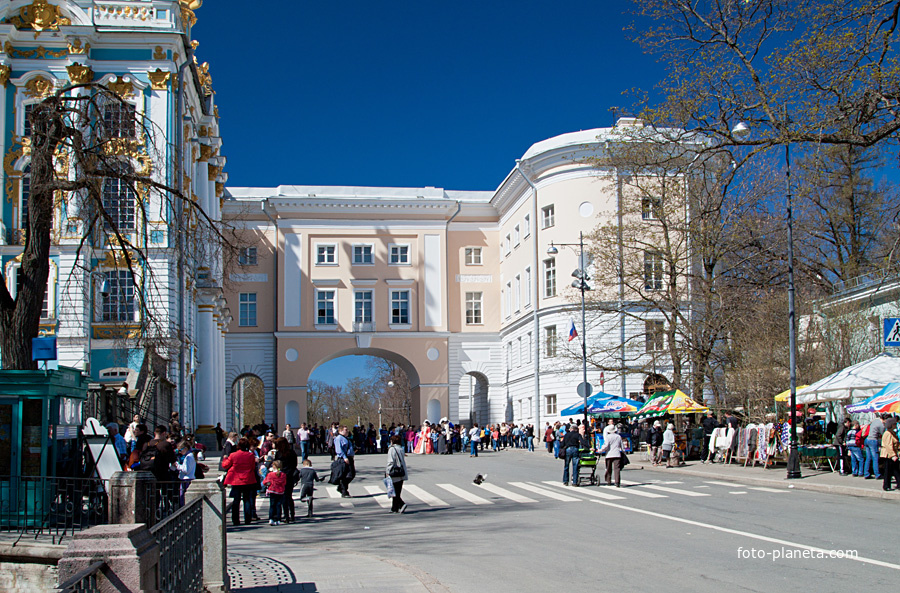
859 380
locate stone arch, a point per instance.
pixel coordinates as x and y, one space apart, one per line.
399 360
248 400
655 382
473 398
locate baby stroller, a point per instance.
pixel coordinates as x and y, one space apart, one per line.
587 461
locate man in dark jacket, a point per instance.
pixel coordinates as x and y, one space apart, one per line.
839 437
571 443
709 424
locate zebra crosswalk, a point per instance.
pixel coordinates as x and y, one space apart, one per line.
444 495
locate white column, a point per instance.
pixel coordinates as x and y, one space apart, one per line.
224 412
206 362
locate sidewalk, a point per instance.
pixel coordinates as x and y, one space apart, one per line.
818 481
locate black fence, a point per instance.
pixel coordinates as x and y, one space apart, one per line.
35 506
180 539
85 581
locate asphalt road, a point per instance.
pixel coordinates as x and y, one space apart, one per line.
658 532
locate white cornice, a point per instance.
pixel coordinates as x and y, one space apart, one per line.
362 282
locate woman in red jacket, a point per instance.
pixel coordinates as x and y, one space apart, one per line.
242 478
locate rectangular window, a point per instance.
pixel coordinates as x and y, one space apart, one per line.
118 201
526 226
399 254
362 306
247 256
247 309
528 348
509 360
118 304
326 255
651 208
362 254
655 333
527 287
516 236
26 122
653 270
45 307
508 299
473 308
550 341
325 307
518 353
550 277
548 215
518 293
473 256
119 120
400 307
550 401
507 245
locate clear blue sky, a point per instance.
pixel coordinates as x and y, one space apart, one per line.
409 93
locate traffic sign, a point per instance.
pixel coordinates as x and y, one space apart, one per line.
892 331
585 389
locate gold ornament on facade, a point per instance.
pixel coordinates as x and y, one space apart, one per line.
204 132
159 80
123 88
159 53
80 74
40 52
38 87
76 46
206 152
220 188
188 16
4 74
213 172
39 16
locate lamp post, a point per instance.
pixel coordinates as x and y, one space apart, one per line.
581 283
741 132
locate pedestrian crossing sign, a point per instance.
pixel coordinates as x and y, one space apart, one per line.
892 331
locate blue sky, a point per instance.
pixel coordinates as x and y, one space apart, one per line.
409 93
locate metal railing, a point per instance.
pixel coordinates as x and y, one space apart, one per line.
180 539
166 498
47 506
85 581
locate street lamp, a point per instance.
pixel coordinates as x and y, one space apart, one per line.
581 282
741 132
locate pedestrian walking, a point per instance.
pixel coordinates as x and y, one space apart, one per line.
571 443
220 435
343 450
275 483
873 442
890 450
612 447
856 453
285 453
396 471
475 440
242 477
668 444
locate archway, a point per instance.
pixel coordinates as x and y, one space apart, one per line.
248 398
473 398
654 383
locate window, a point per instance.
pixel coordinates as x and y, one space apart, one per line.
326 255
473 308
653 270
526 226
362 254
550 401
507 245
550 277
651 208
325 307
509 360
26 121
518 354
527 287
547 216
518 293
118 120
400 254
528 348
362 306
550 341
247 256
45 307
118 201
508 299
118 304
473 256
400 307
247 309
516 236
23 203
655 333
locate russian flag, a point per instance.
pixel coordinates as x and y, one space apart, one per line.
573 333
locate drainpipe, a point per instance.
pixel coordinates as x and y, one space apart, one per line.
447 300
622 374
179 238
265 210
536 293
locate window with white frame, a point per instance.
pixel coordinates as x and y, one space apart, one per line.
550 404
508 299
654 333
119 120
517 354
651 208
25 196
526 226
653 270
528 348
362 306
550 277
248 256
527 287
518 293
550 341
119 200
548 216
118 306
247 309
516 236
400 307
473 256
509 356
507 245
27 108
326 254
362 255
474 308
399 254
325 307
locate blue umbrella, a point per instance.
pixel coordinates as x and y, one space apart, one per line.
578 409
885 401
614 404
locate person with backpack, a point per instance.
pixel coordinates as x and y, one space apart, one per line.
855 449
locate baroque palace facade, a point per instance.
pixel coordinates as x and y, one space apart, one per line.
456 287
141 50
